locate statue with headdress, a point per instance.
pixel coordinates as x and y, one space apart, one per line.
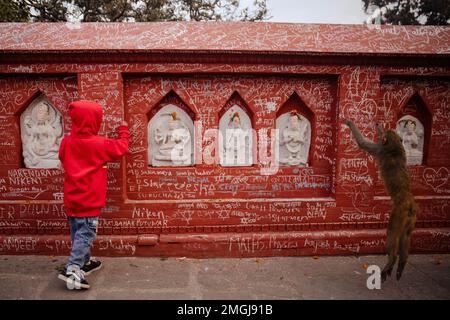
294 138
173 140
41 133
236 149
412 133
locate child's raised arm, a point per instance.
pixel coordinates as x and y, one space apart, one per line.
116 148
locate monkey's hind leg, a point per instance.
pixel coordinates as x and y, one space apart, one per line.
393 235
404 244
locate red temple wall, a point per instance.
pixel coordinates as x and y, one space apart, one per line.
335 206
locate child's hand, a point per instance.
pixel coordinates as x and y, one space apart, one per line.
124 123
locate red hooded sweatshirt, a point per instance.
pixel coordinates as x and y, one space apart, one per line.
83 155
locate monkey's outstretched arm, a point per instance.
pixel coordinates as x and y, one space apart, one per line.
364 143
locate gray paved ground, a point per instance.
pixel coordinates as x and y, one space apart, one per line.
35 277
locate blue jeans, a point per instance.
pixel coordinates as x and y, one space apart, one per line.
82 232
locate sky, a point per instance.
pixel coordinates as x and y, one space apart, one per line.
315 11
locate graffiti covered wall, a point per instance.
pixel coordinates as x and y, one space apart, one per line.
326 198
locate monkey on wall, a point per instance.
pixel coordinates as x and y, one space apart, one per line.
391 158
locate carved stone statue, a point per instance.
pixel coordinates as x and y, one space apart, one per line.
295 139
41 133
411 131
170 138
236 138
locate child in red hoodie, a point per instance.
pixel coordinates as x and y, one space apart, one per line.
84 155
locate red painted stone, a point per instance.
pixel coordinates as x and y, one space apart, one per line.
337 205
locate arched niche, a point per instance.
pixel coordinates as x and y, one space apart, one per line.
171 137
414 127
41 131
236 134
295 124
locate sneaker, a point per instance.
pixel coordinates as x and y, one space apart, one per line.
91 266
74 280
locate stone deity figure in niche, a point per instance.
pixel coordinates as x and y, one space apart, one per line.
41 133
237 142
173 141
295 138
411 131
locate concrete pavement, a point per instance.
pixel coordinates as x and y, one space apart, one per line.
35 277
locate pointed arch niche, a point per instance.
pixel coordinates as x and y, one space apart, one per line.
41 132
414 127
171 133
295 122
236 140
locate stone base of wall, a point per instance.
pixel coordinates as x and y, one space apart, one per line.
207 245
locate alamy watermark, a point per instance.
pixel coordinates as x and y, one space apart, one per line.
374 280
373 21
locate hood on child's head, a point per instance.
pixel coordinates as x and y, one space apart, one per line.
86 117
